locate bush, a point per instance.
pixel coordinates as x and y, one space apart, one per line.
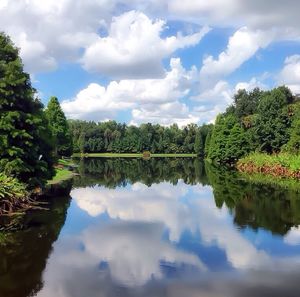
12 193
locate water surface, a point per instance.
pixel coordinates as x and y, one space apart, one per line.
161 227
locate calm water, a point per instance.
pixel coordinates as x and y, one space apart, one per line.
157 228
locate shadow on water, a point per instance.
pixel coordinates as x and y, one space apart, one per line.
24 253
257 206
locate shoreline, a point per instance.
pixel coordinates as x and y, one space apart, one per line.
279 166
132 155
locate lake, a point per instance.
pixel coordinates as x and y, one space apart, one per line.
158 227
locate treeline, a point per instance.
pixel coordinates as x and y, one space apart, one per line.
258 121
92 137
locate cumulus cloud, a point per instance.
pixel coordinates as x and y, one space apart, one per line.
242 45
213 101
250 85
134 47
290 74
50 32
235 13
149 98
293 236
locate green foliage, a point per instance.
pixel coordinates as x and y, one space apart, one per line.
273 122
59 127
25 149
293 145
12 194
265 121
11 188
228 140
246 103
198 145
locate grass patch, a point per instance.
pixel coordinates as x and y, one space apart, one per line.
65 162
60 175
132 155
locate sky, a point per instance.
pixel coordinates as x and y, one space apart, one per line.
158 61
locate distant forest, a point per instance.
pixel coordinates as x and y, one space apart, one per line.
91 137
261 121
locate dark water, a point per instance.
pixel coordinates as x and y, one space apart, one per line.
157 228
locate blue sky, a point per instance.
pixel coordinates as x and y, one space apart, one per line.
154 61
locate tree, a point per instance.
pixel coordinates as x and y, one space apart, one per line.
293 144
246 103
217 145
237 144
25 137
198 145
273 121
59 127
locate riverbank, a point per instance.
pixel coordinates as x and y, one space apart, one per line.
61 175
131 155
15 198
281 165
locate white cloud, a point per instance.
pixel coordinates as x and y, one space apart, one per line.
150 99
132 251
68 31
250 85
159 204
256 14
290 74
242 45
134 47
127 250
51 31
213 101
293 236
162 204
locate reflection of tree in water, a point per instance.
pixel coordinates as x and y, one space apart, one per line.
114 173
256 206
23 254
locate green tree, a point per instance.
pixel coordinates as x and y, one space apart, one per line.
246 103
219 138
59 127
198 145
273 121
237 144
293 144
25 138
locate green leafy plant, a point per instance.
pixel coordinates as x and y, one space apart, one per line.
12 193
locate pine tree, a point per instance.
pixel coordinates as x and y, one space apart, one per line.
25 142
59 127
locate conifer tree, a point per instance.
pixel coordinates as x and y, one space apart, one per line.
59 127
25 139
